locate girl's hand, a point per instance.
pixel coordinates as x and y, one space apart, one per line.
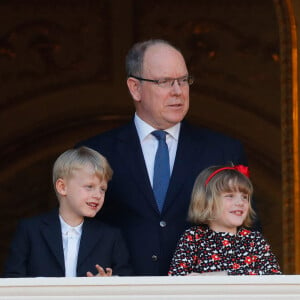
101 272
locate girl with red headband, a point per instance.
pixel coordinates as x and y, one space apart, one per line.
220 243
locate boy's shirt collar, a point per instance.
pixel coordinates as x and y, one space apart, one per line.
65 227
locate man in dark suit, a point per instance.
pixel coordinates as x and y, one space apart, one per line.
67 241
158 80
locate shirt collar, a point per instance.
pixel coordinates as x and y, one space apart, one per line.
144 129
65 227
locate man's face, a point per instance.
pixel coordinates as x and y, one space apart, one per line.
162 107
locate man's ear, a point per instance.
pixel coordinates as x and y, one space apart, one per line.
60 186
134 87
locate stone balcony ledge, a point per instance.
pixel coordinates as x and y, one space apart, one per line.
149 288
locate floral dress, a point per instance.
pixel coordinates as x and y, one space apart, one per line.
201 250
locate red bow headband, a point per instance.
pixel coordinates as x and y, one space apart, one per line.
240 168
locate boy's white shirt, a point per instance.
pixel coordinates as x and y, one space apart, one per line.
71 240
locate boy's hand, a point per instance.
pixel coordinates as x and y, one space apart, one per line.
101 272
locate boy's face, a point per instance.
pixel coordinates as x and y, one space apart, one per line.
233 212
81 195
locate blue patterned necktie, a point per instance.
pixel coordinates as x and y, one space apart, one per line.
161 175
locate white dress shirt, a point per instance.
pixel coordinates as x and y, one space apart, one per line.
71 240
149 143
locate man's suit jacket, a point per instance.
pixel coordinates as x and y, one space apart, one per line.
152 236
37 248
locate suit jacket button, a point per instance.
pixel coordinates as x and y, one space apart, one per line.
163 224
154 258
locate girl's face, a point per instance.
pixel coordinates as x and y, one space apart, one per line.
233 211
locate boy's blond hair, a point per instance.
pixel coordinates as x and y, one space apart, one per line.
205 204
75 159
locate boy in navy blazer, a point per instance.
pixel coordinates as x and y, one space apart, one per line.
68 241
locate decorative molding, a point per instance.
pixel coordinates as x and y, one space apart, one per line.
290 139
47 47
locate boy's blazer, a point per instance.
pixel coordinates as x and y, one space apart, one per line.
37 248
152 236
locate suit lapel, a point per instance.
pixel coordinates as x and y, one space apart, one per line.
91 234
183 166
51 230
130 151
